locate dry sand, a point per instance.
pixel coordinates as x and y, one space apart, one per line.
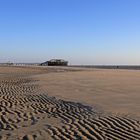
116 91
38 103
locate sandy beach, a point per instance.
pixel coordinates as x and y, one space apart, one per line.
56 103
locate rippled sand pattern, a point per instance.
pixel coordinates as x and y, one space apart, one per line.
28 113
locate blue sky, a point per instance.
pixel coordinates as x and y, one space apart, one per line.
80 31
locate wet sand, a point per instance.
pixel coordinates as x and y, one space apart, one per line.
38 103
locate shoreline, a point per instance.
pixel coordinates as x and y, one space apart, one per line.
119 67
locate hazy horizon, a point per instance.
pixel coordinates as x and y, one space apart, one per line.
91 32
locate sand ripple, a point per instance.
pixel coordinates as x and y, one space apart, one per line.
28 113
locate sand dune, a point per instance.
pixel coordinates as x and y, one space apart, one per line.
28 112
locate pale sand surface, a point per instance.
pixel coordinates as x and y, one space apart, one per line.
41 103
116 91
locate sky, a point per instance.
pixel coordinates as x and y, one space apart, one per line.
84 32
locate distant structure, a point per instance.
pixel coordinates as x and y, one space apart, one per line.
55 62
7 64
